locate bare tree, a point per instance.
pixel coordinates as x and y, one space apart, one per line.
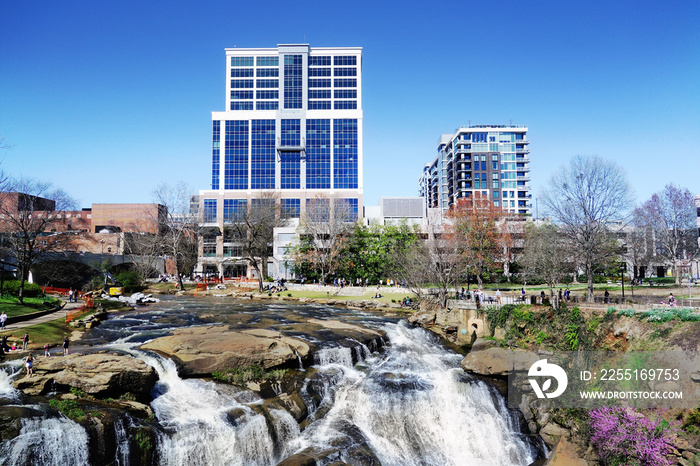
30 214
178 227
434 261
253 229
323 231
639 242
670 215
479 227
585 199
544 255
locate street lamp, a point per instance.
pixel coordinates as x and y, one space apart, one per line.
102 242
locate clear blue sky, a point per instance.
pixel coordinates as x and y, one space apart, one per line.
107 99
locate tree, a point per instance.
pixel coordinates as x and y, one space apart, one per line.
639 243
252 227
323 231
670 215
433 261
586 199
479 228
370 251
177 227
30 212
544 255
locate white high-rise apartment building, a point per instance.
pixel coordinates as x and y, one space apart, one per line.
293 125
492 160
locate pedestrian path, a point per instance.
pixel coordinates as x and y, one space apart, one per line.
57 314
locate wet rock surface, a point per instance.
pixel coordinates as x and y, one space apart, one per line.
95 374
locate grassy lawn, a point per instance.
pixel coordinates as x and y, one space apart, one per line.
166 288
51 332
12 307
386 296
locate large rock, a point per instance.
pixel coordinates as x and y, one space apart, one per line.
203 350
565 455
95 374
487 359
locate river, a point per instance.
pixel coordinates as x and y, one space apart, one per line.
406 403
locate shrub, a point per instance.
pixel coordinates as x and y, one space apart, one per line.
31 290
621 435
130 280
68 407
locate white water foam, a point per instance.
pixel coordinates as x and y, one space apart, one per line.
48 442
415 406
205 424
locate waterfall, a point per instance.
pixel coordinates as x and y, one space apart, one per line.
338 355
205 423
415 405
8 373
121 438
48 442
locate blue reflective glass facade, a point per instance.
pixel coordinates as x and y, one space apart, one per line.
293 81
318 154
215 154
345 153
263 154
209 214
290 208
236 155
347 206
233 209
290 170
291 133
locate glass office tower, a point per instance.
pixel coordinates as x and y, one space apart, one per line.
292 124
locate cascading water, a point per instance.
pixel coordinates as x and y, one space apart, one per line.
414 405
7 374
410 403
205 423
48 442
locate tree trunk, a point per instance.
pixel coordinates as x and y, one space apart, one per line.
589 274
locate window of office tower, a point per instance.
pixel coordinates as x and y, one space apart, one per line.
263 154
345 153
216 141
318 154
236 155
293 77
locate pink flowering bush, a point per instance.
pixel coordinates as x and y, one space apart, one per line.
623 436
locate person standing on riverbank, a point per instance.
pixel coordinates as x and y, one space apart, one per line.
29 364
25 341
65 345
46 350
3 319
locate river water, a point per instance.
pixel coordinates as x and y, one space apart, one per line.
407 403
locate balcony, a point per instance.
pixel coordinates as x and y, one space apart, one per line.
522 141
523 150
522 159
523 178
463 150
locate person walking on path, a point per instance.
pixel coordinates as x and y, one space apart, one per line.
25 341
65 345
3 319
70 295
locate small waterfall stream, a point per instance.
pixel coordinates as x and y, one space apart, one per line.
205 423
